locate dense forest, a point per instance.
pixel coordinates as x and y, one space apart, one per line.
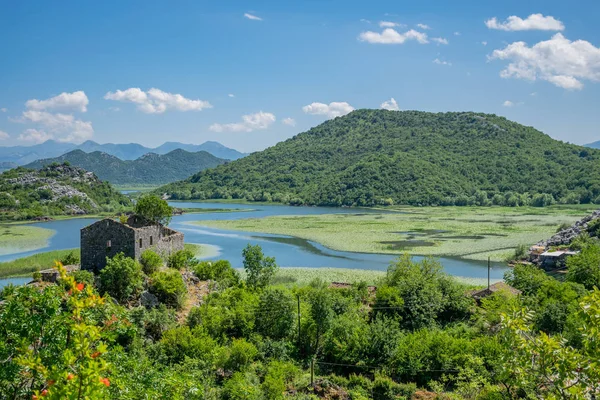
184 329
380 157
149 169
58 189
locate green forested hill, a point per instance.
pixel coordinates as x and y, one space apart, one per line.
56 190
150 169
371 157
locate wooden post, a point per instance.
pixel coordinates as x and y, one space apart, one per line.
489 273
298 322
312 372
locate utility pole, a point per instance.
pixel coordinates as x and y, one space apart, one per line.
312 372
298 321
489 272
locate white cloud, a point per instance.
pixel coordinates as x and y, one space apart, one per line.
331 110
558 60
3 109
533 94
441 62
231 95
440 40
115 109
484 43
62 127
365 20
391 36
35 136
457 33
4 135
390 105
508 103
76 101
252 17
423 26
155 101
289 121
250 122
533 22
387 24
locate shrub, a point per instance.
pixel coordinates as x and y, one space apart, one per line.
122 278
181 259
169 287
238 355
150 262
179 343
278 323
220 271
155 322
70 259
83 276
242 386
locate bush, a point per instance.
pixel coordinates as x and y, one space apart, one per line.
122 278
238 355
220 271
179 343
70 259
150 262
83 276
242 386
181 259
155 322
260 269
169 287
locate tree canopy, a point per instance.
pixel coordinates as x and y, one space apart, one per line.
154 208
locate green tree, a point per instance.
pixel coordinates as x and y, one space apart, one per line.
150 261
277 318
169 287
259 269
584 268
154 208
121 278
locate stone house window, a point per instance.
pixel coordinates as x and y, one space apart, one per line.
150 240
108 245
140 243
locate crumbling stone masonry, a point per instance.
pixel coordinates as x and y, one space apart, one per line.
107 238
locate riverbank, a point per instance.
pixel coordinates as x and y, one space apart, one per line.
473 233
37 262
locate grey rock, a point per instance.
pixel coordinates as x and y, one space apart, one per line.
148 300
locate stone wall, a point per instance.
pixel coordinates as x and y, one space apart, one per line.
95 241
163 241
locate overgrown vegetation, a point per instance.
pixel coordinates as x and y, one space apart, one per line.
418 331
379 157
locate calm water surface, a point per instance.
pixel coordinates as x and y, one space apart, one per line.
288 251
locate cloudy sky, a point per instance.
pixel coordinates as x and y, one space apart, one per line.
252 73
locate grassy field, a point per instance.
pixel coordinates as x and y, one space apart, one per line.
36 262
19 238
466 232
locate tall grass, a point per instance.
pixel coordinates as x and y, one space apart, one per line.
37 262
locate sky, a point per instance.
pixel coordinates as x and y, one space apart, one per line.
250 74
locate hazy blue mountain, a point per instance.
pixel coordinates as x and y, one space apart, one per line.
149 169
21 155
595 145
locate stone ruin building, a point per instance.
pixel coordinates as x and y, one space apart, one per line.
107 238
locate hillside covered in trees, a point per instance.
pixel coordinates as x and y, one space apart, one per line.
149 169
56 190
378 157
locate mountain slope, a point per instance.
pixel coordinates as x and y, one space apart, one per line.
595 145
22 155
149 169
56 190
371 157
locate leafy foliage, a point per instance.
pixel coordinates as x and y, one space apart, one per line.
380 157
259 269
150 261
154 209
121 278
169 287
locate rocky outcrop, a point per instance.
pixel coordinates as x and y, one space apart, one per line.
566 236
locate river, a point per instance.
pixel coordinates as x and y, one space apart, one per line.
288 251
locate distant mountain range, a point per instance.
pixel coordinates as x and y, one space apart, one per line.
21 155
149 169
595 145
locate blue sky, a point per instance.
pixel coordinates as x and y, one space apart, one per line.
271 60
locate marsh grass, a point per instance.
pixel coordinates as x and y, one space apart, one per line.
37 262
468 232
20 238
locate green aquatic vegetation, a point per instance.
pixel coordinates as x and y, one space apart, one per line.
467 232
36 262
20 238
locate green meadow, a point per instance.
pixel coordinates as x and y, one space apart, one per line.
468 232
36 262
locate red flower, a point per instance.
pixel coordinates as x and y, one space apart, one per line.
34 397
105 381
80 286
96 354
70 376
51 382
44 393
